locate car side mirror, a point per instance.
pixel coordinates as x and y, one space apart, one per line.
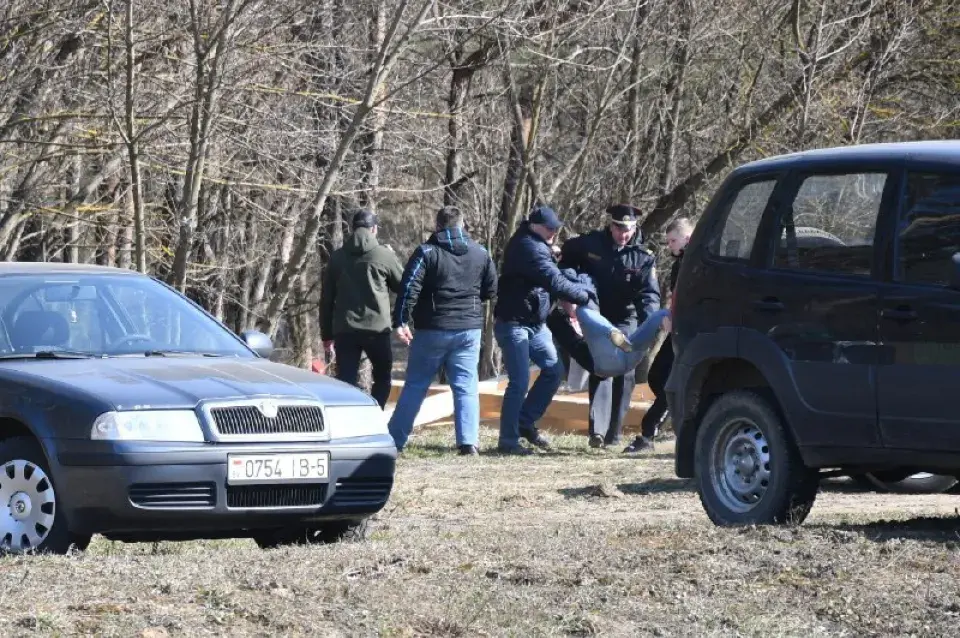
258 342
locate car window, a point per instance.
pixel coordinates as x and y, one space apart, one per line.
830 224
105 315
928 231
735 237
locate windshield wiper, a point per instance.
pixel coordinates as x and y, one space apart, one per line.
52 354
179 353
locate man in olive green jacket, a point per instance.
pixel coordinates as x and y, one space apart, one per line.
355 304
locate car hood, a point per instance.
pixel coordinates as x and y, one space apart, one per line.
172 382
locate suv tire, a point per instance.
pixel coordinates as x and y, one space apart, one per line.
332 532
35 522
747 469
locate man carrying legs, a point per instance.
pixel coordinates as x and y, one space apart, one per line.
678 234
445 283
529 280
355 305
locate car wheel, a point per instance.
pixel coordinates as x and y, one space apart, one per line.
747 469
34 519
333 532
904 482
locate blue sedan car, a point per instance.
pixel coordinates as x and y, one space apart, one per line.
127 411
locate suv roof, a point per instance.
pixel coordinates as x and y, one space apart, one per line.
938 150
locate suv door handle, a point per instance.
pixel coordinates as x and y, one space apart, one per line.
900 313
768 304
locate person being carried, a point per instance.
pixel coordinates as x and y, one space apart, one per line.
595 342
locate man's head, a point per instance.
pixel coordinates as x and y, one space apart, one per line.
678 234
623 223
545 222
448 218
364 219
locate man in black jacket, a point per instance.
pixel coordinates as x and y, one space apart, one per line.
530 278
444 285
626 279
678 234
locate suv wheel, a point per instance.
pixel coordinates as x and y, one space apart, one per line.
748 471
33 520
346 531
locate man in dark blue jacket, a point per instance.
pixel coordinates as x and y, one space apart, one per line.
444 285
529 280
626 279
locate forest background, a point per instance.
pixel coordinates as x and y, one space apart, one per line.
222 145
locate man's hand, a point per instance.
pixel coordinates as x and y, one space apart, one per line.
568 307
404 334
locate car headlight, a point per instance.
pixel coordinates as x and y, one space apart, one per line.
148 425
346 421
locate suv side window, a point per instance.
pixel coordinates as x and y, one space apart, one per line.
830 224
928 231
734 240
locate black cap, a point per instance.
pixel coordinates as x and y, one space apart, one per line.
546 216
624 215
364 219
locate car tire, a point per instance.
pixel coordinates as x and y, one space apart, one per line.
747 468
333 532
905 483
36 521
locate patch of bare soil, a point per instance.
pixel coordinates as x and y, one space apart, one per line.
570 543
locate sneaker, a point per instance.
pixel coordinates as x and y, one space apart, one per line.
468 450
536 439
596 441
620 340
516 450
640 444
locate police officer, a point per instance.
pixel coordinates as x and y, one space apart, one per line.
625 275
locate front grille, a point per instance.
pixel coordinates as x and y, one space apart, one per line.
306 495
173 495
362 492
241 420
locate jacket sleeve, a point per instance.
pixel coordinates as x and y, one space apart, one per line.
545 273
647 299
488 287
410 285
394 273
328 298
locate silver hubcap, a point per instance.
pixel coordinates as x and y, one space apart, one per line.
27 493
740 467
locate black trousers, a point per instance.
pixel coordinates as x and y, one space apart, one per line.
657 380
376 345
610 400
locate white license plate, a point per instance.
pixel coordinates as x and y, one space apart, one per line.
278 468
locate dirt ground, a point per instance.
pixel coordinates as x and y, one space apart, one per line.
576 542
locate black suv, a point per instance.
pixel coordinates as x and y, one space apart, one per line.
817 327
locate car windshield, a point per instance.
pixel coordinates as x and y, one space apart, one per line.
105 315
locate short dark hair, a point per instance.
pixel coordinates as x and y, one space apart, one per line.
449 217
363 219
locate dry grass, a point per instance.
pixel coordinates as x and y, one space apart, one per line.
576 543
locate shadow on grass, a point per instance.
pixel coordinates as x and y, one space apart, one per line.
941 529
655 486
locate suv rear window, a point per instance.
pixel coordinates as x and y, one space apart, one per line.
830 224
928 233
735 239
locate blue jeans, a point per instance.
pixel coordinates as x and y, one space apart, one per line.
608 359
459 352
520 345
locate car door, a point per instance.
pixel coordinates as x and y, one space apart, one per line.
920 318
815 297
